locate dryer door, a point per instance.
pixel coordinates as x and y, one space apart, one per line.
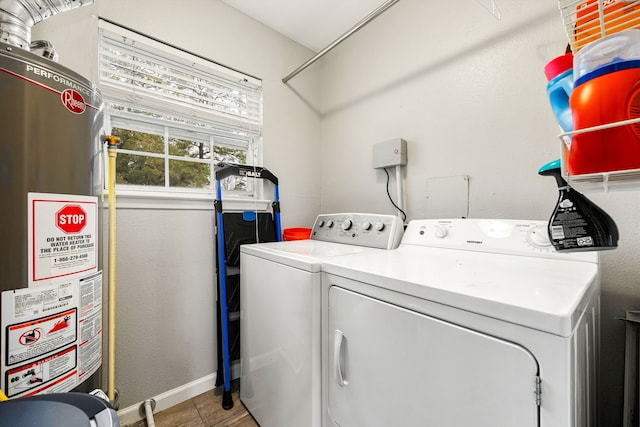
389 366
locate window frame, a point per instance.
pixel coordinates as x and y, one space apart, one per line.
215 131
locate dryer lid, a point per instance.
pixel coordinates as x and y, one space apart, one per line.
536 292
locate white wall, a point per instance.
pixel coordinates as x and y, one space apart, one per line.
467 92
166 299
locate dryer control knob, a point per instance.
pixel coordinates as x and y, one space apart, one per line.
379 226
441 231
347 224
366 225
321 223
330 223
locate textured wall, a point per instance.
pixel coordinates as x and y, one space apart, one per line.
468 93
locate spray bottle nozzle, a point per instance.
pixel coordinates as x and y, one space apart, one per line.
553 169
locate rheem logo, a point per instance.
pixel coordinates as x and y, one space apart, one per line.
73 101
71 219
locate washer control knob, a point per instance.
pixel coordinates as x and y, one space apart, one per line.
330 223
539 237
347 224
379 226
366 225
441 231
321 223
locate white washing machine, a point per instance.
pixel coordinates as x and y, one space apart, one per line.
280 336
468 323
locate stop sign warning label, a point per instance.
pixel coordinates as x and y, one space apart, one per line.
63 237
71 219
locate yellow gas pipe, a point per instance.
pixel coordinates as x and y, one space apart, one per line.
112 143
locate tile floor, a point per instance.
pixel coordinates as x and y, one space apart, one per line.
204 410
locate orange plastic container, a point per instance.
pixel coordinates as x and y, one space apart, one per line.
296 233
607 95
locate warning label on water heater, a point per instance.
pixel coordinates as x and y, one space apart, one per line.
51 336
63 233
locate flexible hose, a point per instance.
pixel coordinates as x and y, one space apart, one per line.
18 17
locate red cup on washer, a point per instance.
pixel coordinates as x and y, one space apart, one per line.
298 233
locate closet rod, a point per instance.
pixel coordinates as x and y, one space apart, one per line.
370 17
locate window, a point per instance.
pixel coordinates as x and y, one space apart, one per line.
177 115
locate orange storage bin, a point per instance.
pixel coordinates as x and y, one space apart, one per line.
617 15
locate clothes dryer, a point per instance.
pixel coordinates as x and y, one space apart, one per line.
280 336
468 322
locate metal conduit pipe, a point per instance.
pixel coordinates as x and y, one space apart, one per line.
17 17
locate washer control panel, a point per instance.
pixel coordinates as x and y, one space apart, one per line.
508 236
370 230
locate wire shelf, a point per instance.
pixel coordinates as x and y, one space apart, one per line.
628 179
586 21
606 181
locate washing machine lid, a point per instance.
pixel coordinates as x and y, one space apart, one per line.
302 254
540 293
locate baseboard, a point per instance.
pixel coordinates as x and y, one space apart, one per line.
169 398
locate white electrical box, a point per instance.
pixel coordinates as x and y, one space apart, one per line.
390 153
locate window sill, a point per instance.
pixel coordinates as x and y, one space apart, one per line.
148 199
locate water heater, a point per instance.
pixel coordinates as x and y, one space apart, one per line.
50 260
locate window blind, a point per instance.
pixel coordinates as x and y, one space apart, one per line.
143 77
